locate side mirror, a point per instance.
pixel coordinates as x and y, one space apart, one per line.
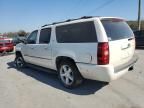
23 40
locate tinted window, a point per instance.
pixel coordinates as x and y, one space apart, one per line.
76 33
117 29
32 37
45 36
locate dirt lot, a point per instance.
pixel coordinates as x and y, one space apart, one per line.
31 88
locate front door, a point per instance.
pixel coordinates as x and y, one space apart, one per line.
29 48
43 48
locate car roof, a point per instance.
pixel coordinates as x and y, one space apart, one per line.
82 19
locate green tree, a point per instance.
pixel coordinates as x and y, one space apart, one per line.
134 25
22 33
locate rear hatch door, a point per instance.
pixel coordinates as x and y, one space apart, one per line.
121 40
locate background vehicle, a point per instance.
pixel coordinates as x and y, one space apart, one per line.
6 45
139 36
97 48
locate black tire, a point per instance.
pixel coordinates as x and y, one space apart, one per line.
19 59
75 74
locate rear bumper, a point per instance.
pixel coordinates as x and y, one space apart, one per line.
105 73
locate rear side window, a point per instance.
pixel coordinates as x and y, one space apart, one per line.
117 29
45 36
76 33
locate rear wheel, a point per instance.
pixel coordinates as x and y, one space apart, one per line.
69 74
19 61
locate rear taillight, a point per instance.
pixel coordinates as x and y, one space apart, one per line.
103 53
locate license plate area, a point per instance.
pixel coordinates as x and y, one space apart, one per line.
125 54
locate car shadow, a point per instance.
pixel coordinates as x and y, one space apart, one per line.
87 88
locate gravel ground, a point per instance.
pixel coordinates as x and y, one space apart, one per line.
29 88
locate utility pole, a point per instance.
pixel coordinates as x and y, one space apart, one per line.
139 15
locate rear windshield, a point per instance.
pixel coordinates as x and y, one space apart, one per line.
117 29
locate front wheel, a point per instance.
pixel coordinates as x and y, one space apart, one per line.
19 62
69 74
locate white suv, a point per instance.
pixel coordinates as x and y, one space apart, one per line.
97 48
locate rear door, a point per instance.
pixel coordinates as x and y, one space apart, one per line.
121 40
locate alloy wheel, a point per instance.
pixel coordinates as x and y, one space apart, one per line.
66 74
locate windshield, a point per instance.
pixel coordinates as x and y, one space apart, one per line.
117 29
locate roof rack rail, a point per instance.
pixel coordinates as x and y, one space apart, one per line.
84 17
57 22
63 21
69 20
46 25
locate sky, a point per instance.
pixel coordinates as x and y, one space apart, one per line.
28 15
